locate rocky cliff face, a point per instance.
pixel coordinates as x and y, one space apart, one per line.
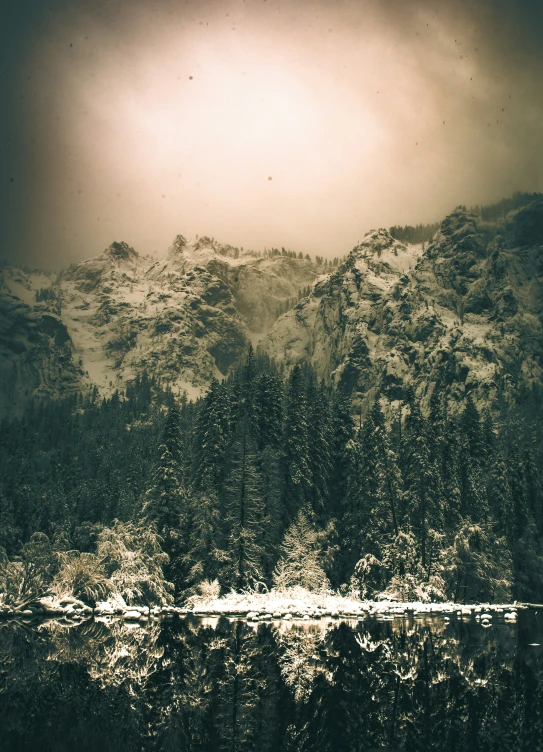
466 311
185 318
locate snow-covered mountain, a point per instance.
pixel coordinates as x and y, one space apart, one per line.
466 311
186 318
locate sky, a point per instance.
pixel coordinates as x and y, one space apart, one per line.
262 124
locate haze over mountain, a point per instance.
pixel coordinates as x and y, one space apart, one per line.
302 124
463 310
186 318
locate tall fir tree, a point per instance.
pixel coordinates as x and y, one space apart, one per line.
342 435
268 411
320 438
212 436
296 450
244 512
424 492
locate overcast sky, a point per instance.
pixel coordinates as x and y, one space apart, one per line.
300 124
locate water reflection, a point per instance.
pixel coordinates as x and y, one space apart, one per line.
217 684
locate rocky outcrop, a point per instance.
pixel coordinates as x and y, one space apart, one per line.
466 311
37 357
186 318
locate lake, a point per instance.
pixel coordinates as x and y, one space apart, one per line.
411 683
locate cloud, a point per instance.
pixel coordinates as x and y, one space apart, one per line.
135 122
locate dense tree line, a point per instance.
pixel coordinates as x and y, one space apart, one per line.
264 477
417 234
422 233
493 212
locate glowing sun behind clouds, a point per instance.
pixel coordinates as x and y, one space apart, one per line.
299 125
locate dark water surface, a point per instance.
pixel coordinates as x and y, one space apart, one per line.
188 684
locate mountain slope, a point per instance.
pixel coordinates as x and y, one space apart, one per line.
185 318
466 311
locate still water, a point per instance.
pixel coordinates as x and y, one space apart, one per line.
188 684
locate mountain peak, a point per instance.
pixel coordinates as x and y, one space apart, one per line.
179 244
121 250
205 242
375 242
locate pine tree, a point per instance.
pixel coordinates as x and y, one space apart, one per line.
206 553
171 437
342 430
424 492
300 562
8 531
354 523
273 519
320 437
451 474
480 567
534 488
472 459
268 411
212 435
297 472
164 499
244 512
500 496
519 490
472 430
389 496
375 494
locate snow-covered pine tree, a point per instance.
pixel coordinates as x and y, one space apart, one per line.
342 433
534 487
479 566
164 499
472 459
500 496
472 430
273 522
205 536
423 487
268 411
244 512
206 553
300 562
165 506
320 439
519 488
296 451
389 496
171 437
211 440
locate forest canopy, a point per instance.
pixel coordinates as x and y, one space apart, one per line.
270 481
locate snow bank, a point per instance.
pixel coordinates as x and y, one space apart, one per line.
286 605
300 603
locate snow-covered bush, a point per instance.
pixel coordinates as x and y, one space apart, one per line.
83 576
478 566
29 577
133 561
399 574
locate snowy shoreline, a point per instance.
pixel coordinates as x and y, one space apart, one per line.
295 604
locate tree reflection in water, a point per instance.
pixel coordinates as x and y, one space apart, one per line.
222 685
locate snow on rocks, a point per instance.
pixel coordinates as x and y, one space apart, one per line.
290 605
299 604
